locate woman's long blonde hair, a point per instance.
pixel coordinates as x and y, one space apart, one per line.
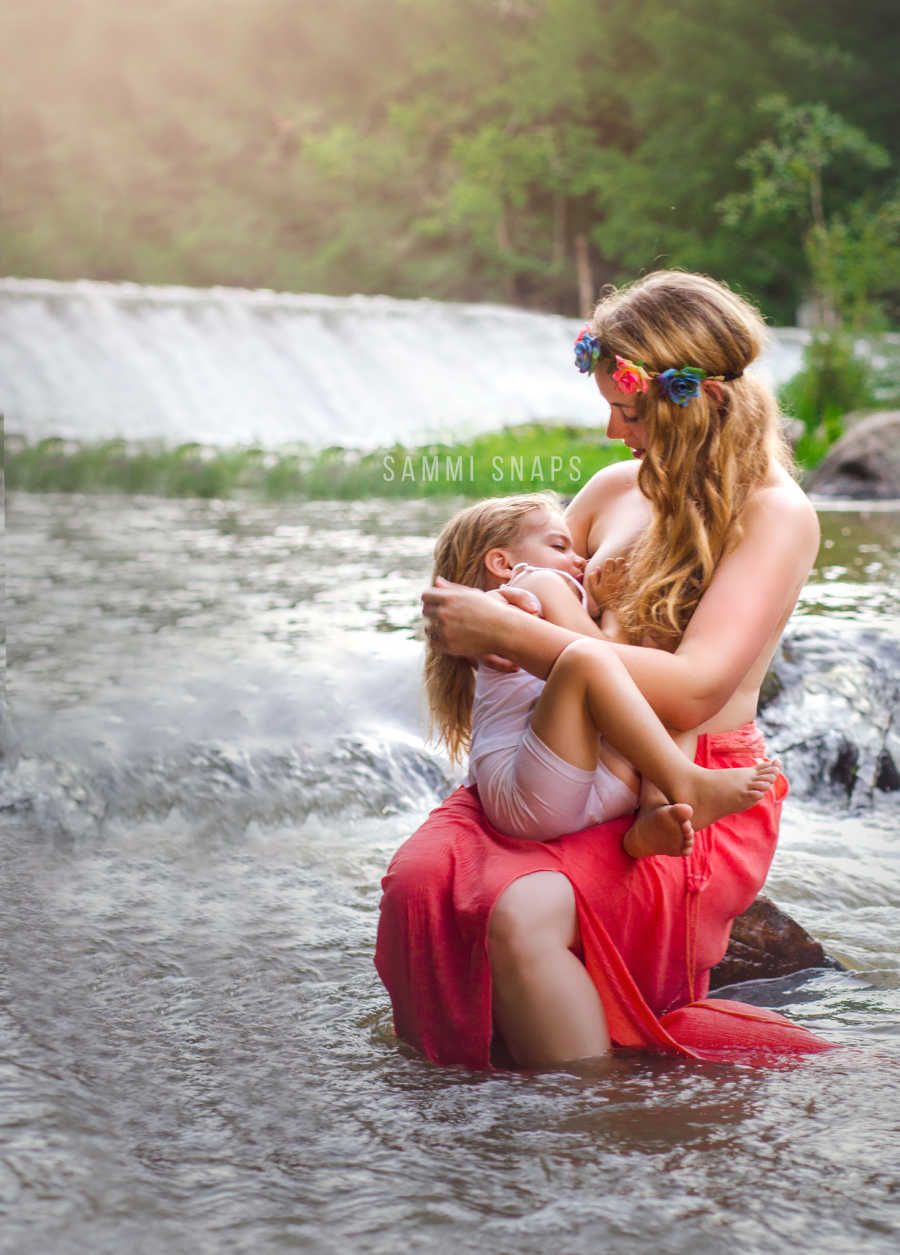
702 459
459 555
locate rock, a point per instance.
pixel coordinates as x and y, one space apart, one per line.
766 943
830 709
864 463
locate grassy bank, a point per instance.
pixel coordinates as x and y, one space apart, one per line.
517 459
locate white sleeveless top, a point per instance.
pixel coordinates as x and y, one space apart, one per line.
503 701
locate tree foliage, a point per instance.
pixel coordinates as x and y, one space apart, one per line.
467 150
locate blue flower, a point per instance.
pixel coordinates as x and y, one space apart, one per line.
681 386
587 351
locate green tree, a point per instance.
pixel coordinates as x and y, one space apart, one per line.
853 254
469 150
788 172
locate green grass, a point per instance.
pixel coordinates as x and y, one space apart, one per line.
517 459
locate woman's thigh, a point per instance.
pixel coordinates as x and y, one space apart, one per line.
535 911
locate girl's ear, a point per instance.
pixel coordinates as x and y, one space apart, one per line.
497 563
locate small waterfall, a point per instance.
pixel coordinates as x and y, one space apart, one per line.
223 366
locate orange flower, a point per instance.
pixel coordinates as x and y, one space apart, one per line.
630 376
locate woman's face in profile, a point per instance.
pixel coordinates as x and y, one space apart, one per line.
625 422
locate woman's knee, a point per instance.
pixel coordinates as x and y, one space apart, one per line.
533 913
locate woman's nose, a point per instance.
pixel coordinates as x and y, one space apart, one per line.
615 428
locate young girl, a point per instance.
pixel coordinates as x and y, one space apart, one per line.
553 757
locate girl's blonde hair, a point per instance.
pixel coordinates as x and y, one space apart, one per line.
459 555
703 459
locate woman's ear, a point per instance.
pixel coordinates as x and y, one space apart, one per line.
497 563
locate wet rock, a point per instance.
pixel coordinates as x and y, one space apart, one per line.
766 943
843 770
865 463
830 709
888 778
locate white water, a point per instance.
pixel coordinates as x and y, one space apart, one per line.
224 366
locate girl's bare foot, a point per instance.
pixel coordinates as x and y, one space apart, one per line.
725 791
661 830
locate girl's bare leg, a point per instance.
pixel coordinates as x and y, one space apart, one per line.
545 1005
590 692
661 828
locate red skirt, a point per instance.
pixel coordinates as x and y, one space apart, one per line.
651 929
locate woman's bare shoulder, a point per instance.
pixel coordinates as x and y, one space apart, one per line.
781 505
617 477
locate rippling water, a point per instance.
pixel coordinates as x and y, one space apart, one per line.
216 745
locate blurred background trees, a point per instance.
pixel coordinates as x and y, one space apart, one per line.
516 150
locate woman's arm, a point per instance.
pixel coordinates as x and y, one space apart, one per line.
747 605
743 610
467 622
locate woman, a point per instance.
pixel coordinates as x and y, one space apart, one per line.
552 758
556 950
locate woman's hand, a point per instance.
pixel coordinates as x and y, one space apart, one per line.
462 621
468 623
522 599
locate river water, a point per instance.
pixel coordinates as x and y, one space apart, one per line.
215 746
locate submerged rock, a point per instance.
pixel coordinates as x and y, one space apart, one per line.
865 463
766 943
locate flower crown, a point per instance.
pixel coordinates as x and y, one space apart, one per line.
677 385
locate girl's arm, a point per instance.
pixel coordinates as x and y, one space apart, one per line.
748 602
560 603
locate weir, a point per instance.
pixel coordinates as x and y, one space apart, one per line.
224 366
